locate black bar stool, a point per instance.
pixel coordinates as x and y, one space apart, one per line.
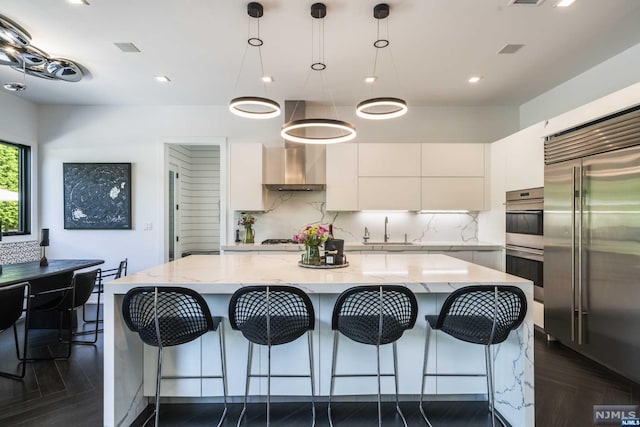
169 316
373 315
480 315
273 315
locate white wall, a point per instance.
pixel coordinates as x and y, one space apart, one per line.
138 134
18 124
609 76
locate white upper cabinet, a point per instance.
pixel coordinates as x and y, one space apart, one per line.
389 193
389 159
342 177
453 193
525 158
452 159
246 177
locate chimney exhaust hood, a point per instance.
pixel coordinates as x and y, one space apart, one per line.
295 174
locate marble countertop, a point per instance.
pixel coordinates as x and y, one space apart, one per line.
395 246
222 274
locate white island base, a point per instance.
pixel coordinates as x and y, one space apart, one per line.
129 366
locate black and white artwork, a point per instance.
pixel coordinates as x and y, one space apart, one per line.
97 196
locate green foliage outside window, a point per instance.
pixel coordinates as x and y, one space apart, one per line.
9 160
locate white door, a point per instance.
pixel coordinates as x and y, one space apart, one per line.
174 212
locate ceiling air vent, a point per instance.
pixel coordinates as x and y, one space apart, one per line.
127 47
525 2
510 48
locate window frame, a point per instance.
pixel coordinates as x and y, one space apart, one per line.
24 189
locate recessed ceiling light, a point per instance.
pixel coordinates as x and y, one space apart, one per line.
370 79
267 79
163 79
474 79
565 3
85 2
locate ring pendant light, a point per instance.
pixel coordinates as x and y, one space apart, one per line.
254 107
381 108
323 130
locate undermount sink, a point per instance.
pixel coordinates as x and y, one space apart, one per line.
388 243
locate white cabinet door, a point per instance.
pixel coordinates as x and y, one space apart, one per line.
397 159
342 177
525 158
453 193
246 176
389 193
453 159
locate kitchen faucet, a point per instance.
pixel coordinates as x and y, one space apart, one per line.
366 235
386 234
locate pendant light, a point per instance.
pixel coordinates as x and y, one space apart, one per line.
320 130
17 86
254 107
387 107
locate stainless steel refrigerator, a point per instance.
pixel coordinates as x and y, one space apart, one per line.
592 241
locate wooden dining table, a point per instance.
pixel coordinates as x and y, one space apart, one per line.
41 278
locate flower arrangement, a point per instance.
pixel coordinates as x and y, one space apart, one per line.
247 220
312 235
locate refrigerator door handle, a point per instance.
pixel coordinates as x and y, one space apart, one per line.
580 250
573 254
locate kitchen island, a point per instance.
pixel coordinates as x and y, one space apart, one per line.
129 371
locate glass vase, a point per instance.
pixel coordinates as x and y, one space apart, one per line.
249 234
311 255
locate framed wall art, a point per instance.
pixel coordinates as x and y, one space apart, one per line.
97 196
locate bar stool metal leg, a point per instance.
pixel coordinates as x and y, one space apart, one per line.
424 373
268 384
395 376
223 361
247 383
333 373
313 382
379 391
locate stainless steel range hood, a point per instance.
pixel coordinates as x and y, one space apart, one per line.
295 157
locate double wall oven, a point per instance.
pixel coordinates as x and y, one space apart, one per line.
524 238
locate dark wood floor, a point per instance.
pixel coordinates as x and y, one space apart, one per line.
69 394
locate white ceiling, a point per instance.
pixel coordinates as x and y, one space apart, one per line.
436 45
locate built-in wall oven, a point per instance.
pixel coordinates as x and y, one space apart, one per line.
524 236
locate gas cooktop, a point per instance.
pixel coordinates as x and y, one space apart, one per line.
276 241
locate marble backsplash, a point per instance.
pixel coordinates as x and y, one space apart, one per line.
289 211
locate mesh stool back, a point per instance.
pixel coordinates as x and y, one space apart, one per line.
273 315
283 317
481 314
182 315
375 314
170 316
485 315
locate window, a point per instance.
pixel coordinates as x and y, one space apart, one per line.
15 210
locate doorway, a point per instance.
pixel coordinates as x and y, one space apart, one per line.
195 198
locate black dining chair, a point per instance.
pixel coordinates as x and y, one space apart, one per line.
170 316
64 300
12 305
483 314
105 275
373 315
273 315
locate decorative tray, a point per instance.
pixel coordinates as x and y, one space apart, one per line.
324 266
